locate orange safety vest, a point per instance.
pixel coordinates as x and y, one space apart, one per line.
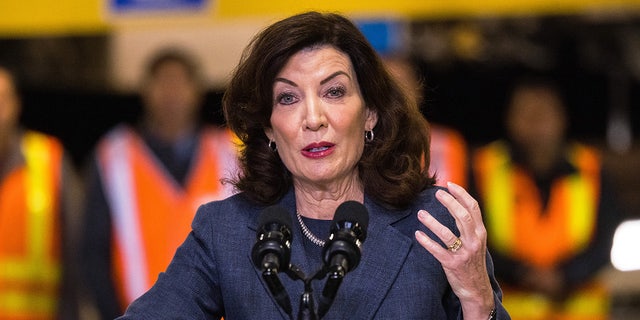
520 227
448 156
30 262
151 213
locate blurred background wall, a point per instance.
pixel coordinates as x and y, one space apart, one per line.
78 63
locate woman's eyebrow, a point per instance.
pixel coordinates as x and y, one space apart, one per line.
327 79
287 81
333 75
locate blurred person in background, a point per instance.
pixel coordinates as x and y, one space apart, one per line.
449 155
146 182
549 209
38 216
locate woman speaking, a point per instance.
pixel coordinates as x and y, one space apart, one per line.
323 123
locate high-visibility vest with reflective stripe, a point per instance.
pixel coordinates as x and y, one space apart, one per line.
515 215
151 212
30 263
519 225
448 153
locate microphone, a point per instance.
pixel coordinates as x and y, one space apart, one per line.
348 231
342 252
272 251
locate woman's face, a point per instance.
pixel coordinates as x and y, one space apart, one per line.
319 117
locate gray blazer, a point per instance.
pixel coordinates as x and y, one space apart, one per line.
212 274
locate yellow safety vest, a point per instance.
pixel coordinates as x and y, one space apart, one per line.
30 267
518 226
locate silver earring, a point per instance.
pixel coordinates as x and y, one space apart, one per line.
368 135
272 146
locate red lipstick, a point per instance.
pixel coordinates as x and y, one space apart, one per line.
318 150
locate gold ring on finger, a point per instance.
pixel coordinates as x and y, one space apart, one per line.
455 246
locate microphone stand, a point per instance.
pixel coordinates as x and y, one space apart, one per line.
270 276
307 305
336 274
307 309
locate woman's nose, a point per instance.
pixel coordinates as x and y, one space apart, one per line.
315 114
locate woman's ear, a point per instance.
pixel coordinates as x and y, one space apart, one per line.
372 119
269 133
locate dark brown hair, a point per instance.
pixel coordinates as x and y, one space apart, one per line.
176 55
393 167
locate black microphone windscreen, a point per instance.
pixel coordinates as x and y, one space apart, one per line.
352 211
274 214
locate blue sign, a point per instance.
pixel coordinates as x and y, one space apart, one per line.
156 5
385 36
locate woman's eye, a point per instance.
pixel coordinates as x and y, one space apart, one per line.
335 92
286 98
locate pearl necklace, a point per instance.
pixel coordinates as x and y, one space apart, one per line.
307 233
